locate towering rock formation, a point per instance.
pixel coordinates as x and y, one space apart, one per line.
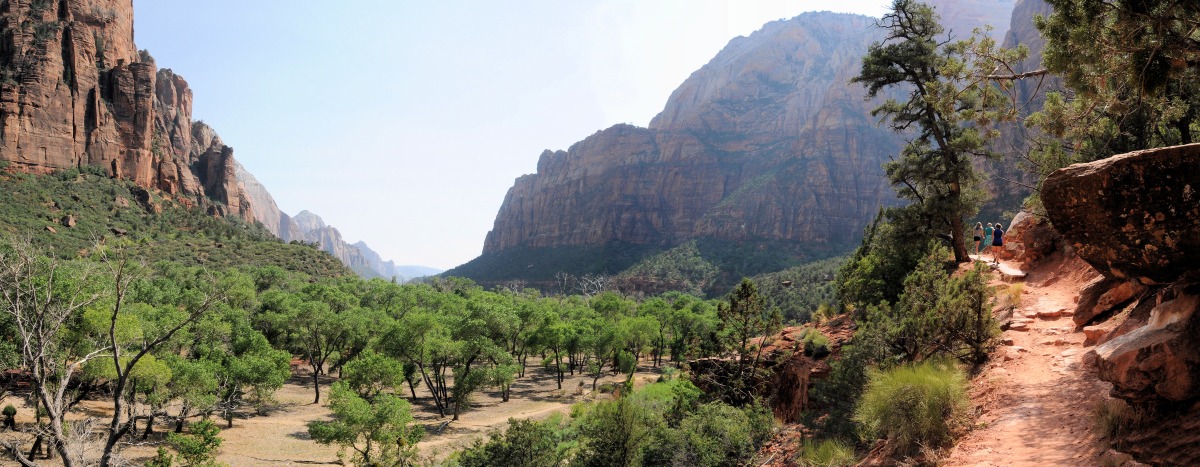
768 144
75 91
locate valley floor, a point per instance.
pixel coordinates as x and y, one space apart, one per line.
281 438
1035 398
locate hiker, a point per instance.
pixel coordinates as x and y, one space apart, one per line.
987 238
997 241
978 236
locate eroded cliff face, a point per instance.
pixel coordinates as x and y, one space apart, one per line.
768 144
75 91
767 141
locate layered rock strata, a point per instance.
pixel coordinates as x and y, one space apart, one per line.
768 143
75 91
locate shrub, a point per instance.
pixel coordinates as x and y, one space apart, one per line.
827 453
525 442
10 414
198 448
914 405
816 345
1012 294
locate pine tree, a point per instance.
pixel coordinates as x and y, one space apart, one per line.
949 100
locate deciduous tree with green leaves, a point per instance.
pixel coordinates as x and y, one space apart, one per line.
378 432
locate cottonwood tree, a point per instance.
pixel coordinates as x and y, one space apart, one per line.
41 295
948 102
197 292
377 432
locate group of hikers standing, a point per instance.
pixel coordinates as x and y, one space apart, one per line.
988 237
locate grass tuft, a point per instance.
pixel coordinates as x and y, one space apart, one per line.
922 404
826 453
1113 417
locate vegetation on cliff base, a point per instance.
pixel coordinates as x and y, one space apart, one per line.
709 267
67 213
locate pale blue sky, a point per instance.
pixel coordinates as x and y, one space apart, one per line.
404 123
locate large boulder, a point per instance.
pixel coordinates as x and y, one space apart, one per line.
1029 239
1131 216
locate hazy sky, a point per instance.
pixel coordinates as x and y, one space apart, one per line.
404 123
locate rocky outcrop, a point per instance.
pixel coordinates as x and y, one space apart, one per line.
1132 216
788 369
75 91
1102 295
1028 240
1159 361
266 210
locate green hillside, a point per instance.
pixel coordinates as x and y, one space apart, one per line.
67 213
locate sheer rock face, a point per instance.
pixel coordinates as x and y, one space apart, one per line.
75 91
1132 216
767 141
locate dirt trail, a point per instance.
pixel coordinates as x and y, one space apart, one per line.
1036 398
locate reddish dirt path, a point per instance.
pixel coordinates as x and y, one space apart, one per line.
1036 398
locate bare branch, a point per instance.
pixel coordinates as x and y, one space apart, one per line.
1017 76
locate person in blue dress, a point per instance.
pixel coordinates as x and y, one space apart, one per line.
987 238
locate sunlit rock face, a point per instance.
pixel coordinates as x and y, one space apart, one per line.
768 141
1133 216
75 91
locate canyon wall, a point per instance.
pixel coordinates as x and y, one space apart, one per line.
768 144
75 91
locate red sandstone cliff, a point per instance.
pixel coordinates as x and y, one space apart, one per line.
75 91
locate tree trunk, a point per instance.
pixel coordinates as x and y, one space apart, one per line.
433 391
149 426
958 239
316 385
36 449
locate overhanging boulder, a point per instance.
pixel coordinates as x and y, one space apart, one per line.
1131 216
